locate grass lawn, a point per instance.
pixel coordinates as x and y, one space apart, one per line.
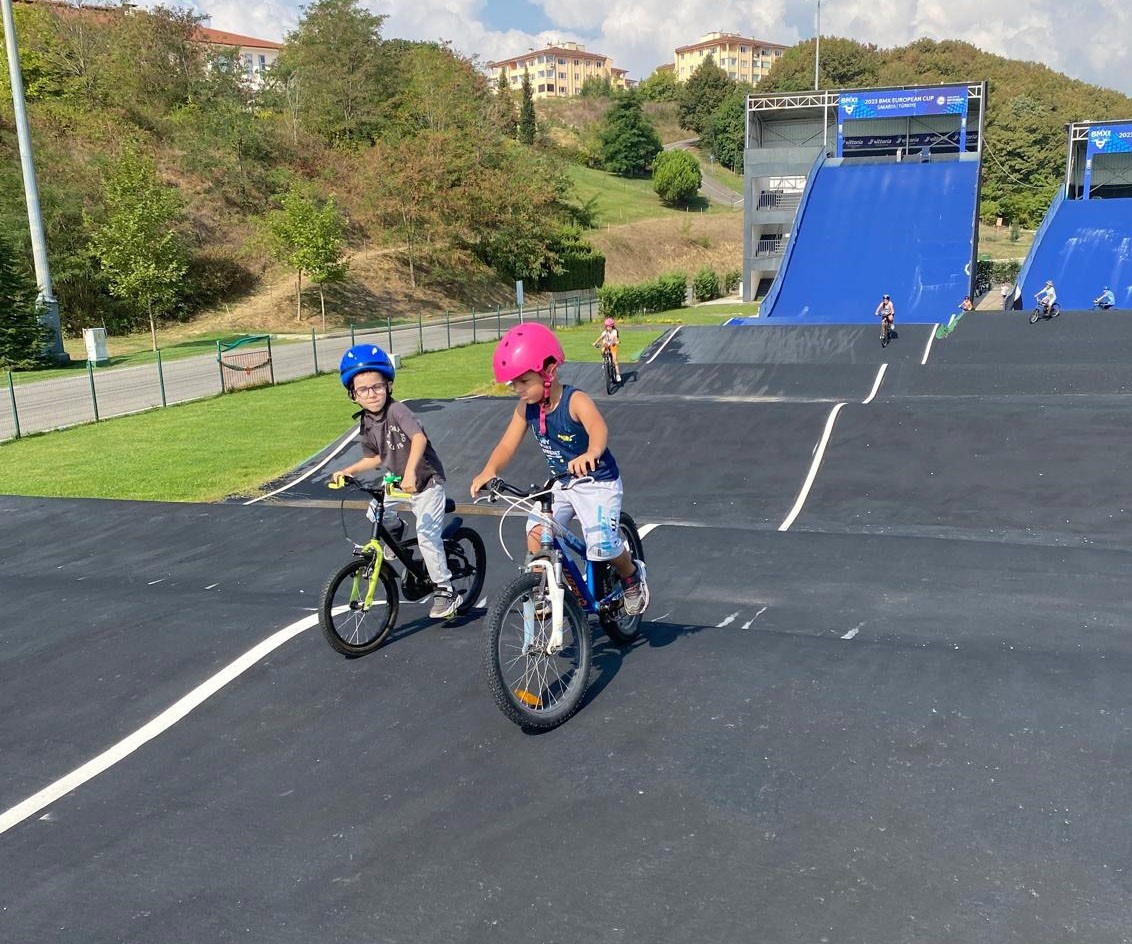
622 199
202 451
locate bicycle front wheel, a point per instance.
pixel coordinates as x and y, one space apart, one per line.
610 382
350 625
467 561
533 687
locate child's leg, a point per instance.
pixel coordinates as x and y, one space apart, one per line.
428 506
561 511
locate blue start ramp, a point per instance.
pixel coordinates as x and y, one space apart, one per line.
1084 246
863 230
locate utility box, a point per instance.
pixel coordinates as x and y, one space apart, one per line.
96 350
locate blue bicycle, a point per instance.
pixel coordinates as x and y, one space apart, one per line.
537 644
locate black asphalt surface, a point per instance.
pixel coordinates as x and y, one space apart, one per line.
905 719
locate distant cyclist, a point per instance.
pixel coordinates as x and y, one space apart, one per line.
608 341
886 312
1106 301
1047 297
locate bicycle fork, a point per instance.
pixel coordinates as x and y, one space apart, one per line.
553 576
371 588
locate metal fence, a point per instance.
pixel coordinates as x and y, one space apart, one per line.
29 406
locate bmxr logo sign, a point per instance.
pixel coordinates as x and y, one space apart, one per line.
1099 138
849 105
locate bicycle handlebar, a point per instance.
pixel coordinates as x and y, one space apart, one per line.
387 481
499 487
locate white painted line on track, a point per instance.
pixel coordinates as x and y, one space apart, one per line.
928 348
853 632
646 529
876 385
342 444
727 621
657 619
664 345
747 625
147 732
819 453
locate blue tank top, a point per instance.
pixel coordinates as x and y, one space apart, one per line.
567 439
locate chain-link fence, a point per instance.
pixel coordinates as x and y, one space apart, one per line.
29 406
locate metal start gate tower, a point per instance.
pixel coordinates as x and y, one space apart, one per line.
791 136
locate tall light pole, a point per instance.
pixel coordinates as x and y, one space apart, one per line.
817 47
48 306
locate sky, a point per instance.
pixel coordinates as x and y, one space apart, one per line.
1093 42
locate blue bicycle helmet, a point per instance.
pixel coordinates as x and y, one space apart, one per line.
363 357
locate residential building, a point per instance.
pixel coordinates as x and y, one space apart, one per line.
251 56
558 71
743 59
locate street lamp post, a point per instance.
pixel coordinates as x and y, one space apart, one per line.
817 48
48 306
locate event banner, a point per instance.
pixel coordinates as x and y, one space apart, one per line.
1109 139
1105 139
902 103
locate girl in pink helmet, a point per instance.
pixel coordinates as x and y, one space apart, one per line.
608 341
573 437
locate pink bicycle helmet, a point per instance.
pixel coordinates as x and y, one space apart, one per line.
609 322
527 347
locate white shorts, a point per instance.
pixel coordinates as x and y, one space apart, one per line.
597 505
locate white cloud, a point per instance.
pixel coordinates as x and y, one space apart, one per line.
1089 40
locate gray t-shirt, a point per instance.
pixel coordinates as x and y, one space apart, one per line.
389 436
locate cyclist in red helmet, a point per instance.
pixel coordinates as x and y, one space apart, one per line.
573 437
391 436
608 341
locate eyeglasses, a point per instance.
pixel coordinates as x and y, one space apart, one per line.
369 391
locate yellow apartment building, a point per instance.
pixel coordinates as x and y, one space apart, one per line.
743 59
558 71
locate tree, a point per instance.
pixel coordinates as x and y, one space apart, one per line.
676 176
629 142
661 86
137 245
309 238
724 134
506 121
844 64
24 340
702 94
597 86
342 68
527 122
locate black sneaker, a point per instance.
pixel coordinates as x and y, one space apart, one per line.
444 604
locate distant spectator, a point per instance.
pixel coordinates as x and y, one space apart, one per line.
1007 296
1106 300
966 305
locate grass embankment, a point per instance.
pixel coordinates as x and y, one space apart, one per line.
621 200
232 444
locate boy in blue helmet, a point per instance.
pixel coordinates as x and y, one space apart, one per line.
392 437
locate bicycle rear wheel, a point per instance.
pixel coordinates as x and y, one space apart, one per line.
532 687
467 560
619 626
1054 310
610 376
351 627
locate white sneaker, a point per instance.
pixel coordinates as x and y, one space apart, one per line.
444 604
636 590
618 378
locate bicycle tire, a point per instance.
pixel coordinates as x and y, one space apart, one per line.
467 574
534 690
1035 315
1055 310
337 614
610 382
622 629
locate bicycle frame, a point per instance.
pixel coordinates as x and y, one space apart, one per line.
556 546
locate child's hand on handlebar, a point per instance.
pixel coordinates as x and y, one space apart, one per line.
583 464
481 481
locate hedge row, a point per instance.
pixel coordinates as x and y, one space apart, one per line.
667 292
582 268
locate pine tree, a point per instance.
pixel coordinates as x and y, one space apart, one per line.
24 340
527 126
629 142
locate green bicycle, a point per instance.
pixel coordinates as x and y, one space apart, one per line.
360 602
